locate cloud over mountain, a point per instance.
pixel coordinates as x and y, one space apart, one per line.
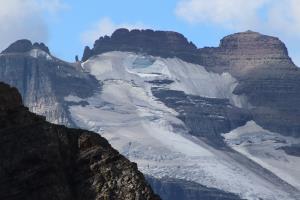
105 26
280 16
25 19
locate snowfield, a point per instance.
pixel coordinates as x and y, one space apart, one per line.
263 147
150 134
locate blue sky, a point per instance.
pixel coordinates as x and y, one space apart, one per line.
66 26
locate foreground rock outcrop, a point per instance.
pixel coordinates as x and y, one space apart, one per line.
39 160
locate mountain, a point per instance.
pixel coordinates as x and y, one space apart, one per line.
257 62
156 43
44 80
40 160
267 77
220 120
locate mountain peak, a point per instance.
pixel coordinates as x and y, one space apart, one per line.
250 43
24 45
157 43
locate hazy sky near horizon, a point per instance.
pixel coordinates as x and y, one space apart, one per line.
66 26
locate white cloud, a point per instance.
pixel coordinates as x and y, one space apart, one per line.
284 16
277 16
106 26
229 13
21 19
274 17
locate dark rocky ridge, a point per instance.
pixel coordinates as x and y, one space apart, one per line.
43 161
177 189
157 43
44 82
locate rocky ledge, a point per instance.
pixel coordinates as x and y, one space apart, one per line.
39 160
156 43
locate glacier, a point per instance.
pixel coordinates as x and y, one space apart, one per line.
149 133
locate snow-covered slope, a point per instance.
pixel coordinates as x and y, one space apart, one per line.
264 148
190 78
149 133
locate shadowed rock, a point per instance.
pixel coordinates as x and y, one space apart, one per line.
39 160
43 80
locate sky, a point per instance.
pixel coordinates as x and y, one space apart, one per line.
66 26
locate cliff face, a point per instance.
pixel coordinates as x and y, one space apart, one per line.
40 160
44 80
266 74
206 118
157 43
240 53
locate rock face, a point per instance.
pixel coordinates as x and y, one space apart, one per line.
206 118
267 77
40 160
177 189
44 80
242 52
157 43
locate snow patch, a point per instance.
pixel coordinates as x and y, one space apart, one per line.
263 147
37 53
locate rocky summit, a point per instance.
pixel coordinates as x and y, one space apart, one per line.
157 43
43 161
24 45
240 53
267 77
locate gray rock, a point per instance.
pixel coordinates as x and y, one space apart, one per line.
43 82
267 77
206 118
